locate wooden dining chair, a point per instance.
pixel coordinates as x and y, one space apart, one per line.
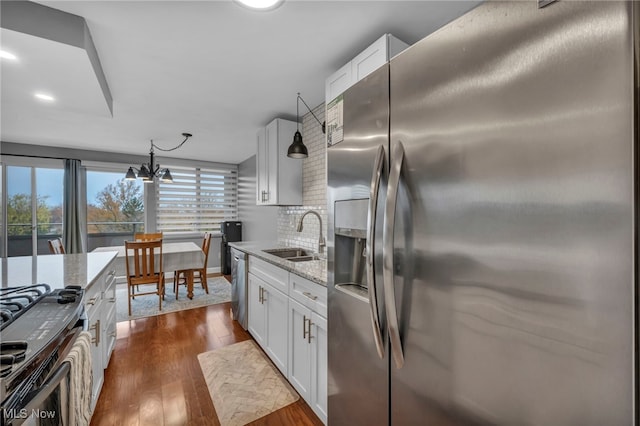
200 273
56 246
142 268
140 236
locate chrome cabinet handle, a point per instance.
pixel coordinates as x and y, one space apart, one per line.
378 167
260 294
387 254
309 295
92 301
304 327
96 327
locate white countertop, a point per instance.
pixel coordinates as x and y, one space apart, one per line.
57 270
314 270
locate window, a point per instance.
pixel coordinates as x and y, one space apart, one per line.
198 200
115 208
34 207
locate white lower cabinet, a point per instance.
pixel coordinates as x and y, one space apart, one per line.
268 320
108 320
100 308
95 327
299 349
308 356
319 370
287 317
276 347
257 310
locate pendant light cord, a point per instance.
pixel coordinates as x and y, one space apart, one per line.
298 113
305 104
186 136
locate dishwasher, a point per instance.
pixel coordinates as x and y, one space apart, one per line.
239 287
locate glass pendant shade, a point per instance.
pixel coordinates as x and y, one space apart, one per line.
297 148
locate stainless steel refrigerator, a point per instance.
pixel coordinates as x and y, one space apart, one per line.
482 220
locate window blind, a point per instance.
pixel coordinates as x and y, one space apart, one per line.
198 200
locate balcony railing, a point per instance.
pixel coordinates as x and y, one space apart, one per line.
100 234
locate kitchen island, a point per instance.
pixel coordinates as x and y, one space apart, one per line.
57 271
95 274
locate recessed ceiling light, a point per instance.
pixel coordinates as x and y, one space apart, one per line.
6 55
261 4
44 97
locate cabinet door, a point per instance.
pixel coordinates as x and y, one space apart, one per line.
338 82
272 162
95 328
299 349
319 369
276 335
108 314
372 58
256 310
262 168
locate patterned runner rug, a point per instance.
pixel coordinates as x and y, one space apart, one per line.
243 383
147 306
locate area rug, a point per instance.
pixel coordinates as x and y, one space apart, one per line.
243 383
147 306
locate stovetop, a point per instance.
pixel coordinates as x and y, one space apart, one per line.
34 324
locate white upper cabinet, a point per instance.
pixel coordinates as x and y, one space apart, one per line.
372 58
338 82
279 178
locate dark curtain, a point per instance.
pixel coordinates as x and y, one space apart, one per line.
74 208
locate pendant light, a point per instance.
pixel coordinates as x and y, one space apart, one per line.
297 149
149 171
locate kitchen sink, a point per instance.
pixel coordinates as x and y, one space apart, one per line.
292 254
288 252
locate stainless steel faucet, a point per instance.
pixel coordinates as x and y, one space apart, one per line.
321 241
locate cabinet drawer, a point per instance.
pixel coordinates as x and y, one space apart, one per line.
271 274
309 294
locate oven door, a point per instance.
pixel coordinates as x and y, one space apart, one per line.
44 398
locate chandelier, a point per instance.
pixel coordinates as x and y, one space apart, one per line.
149 171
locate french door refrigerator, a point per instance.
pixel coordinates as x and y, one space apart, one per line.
482 220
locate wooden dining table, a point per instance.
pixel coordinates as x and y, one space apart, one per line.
175 256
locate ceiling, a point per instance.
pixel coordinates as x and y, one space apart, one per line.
210 68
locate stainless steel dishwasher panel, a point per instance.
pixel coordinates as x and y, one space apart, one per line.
239 287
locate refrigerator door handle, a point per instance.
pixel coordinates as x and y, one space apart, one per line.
378 167
387 254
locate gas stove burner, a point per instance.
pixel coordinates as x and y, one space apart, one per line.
14 301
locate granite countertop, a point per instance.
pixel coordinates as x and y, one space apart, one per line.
56 270
314 270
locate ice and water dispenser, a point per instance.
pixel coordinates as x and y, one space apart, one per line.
350 228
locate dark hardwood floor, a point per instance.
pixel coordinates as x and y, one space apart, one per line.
154 377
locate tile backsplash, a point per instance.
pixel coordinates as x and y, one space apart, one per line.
314 189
